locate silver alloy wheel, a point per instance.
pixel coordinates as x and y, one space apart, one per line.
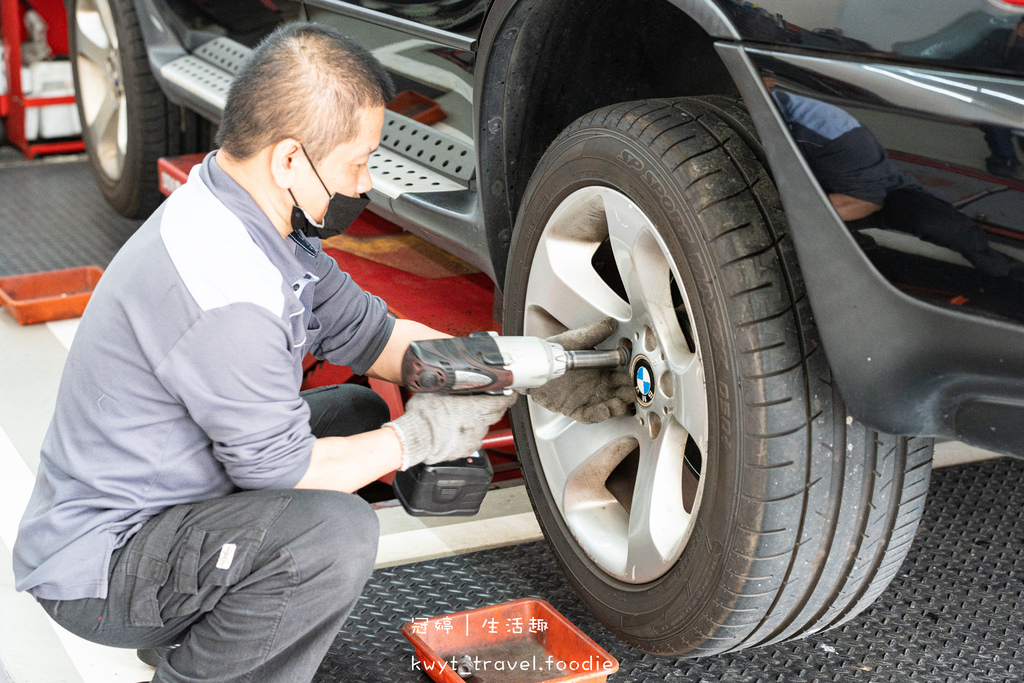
101 88
637 533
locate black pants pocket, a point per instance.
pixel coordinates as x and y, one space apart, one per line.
218 546
147 568
184 598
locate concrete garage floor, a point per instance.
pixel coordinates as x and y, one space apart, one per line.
52 216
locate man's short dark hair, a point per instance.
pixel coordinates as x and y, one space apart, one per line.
304 81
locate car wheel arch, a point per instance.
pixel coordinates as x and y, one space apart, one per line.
512 129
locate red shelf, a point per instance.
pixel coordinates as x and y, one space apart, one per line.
14 103
30 102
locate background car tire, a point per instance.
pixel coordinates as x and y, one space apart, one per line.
152 125
805 515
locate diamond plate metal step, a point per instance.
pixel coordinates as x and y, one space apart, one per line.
413 157
193 75
394 175
428 147
224 53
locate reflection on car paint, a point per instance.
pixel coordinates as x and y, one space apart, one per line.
933 203
460 16
244 21
976 34
430 70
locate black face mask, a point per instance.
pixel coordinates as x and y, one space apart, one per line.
341 212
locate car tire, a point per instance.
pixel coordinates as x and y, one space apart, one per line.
793 517
127 122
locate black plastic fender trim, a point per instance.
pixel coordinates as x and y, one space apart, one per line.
497 43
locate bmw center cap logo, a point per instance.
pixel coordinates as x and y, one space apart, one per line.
643 380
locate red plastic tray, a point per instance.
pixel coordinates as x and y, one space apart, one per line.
54 295
523 641
173 171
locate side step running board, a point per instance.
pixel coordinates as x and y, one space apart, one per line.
201 85
413 157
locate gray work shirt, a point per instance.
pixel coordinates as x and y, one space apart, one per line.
183 381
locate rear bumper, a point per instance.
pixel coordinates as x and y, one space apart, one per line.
908 358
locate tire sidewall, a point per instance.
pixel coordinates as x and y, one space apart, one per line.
676 603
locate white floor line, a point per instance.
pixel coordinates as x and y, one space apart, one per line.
64 330
423 544
95 663
15 488
950 453
29 647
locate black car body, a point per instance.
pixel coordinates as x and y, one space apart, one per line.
947 370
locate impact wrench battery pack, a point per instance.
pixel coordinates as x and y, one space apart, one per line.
456 487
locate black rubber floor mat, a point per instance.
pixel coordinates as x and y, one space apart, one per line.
53 216
952 614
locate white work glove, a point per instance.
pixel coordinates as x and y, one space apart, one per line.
438 427
587 395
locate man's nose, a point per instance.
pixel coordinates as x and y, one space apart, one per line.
365 181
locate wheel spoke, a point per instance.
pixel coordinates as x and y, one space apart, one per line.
103 132
644 269
584 454
107 115
564 283
640 259
92 40
626 225
690 400
92 88
103 9
657 520
122 130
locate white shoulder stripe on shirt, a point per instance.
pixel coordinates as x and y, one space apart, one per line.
214 254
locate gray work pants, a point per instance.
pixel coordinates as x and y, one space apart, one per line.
254 585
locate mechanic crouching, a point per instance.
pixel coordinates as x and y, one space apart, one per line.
187 492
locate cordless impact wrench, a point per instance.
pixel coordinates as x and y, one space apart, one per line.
482 363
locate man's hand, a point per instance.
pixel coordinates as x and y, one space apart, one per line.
437 427
590 395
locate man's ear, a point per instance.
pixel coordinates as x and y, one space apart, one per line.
284 161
